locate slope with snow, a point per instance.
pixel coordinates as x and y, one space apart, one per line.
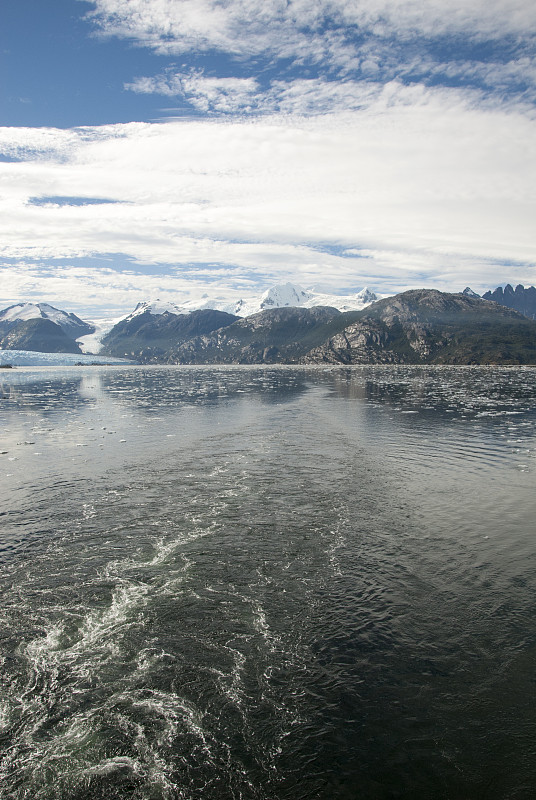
92 343
291 295
22 312
283 296
155 307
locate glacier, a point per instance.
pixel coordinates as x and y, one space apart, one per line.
31 358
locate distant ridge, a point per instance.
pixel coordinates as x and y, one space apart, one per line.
520 299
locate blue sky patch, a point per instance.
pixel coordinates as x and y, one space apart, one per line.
56 200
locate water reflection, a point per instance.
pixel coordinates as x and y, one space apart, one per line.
458 390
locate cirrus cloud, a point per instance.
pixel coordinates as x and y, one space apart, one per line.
288 27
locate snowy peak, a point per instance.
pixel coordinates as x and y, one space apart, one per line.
366 296
291 295
72 325
20 311
26 311
286 294
468 292
156 307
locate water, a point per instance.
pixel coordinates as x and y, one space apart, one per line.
267 583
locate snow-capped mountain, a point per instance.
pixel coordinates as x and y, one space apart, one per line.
155 329
157 307
280 296
468 292
72 325
291 295
88 336
92 343
283 296
411 327
286 294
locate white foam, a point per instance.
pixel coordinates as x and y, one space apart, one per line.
115 764
97 632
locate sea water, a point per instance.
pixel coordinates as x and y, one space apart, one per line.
267 583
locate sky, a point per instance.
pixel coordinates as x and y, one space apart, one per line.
179 148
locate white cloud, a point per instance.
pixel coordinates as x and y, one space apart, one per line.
314 29
238 96
340 40
422 175
314 96
104 292
221 95
474 18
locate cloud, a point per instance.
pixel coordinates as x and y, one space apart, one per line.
480 44
284 28
41 143
221 95
335 143
359 39
314 96
470 18
421 174
244 96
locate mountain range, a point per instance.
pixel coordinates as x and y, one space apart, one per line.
289 325
41 327
280 296
416 327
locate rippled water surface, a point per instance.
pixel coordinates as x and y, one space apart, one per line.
267 583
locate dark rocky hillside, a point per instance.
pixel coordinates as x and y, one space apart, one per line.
41 335
278 335
150 338
430 327
520 299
